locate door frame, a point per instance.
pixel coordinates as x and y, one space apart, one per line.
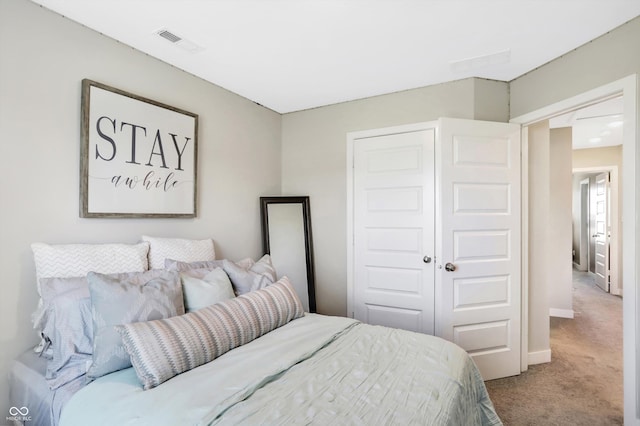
628 87
364 145
351 138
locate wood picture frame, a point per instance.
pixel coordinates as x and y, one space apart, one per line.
138 157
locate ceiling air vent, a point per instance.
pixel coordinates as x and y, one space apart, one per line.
169 36
187 45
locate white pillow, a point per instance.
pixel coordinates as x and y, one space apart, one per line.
77 260
205 287
180 249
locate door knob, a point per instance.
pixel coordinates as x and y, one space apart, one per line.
450 267
426 259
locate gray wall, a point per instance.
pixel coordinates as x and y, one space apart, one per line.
314 160
606 59
560 226
44 58
539 235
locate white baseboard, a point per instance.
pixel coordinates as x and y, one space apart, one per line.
561 313
539 357
579 267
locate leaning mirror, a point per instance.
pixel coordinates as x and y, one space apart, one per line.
286 237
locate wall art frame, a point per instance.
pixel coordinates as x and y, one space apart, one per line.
138 157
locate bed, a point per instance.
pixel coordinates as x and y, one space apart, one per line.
250 357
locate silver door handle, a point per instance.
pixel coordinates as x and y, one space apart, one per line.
426 259
449 267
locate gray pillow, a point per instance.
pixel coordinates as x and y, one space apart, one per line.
68 326
264 267
259 275
53 287
123 299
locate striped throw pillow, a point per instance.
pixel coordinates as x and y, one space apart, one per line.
162 349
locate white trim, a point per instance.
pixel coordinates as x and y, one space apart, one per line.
437 232
561 313
350 237
524 257
591 97
628 87
630 209
540 357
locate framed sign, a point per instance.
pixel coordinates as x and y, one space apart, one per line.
138 157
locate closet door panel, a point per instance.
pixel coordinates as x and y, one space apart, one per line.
478 277
394 230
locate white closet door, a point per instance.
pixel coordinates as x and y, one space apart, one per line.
479 243
394 230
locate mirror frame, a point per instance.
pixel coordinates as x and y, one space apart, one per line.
306 217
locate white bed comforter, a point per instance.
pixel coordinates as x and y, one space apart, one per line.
315 370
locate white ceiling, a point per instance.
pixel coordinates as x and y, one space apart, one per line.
290 55
595 126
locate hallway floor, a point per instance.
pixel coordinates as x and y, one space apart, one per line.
582 385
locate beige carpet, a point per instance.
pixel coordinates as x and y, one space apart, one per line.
582 385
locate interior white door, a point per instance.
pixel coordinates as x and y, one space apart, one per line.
394 230
601 234
478 275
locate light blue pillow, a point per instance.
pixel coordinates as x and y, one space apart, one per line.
205 287
123 299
